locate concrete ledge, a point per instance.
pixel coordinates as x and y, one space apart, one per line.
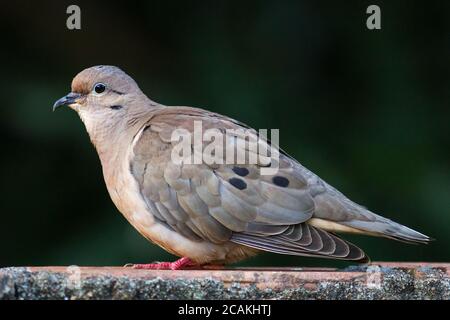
376 281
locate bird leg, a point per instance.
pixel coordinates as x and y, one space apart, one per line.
180 264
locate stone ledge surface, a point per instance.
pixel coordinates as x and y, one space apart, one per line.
380 280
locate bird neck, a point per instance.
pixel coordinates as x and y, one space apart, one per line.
110 134
108 139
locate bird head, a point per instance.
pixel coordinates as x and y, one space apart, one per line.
105 97
100 89
109 102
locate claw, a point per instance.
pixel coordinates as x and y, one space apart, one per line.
183 263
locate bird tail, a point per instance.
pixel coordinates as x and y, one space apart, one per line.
387 228
348 216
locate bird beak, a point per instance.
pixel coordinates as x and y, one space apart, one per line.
71 98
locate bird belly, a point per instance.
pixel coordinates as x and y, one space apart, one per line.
201 252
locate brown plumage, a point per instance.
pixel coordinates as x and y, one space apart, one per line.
209 212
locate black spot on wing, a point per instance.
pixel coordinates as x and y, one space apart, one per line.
240 171
238 183
280 181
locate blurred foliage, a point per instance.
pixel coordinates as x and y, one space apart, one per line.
366 110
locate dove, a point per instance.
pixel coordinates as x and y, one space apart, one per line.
212 213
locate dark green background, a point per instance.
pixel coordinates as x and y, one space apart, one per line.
367 110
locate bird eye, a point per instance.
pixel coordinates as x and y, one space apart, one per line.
99 88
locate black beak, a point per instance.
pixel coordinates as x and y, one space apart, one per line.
71 98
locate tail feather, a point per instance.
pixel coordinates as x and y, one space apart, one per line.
335 207
390 229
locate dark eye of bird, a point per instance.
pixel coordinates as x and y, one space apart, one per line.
99 88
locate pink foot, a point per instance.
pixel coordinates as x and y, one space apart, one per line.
180 264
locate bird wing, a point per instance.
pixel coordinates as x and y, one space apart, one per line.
230 202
